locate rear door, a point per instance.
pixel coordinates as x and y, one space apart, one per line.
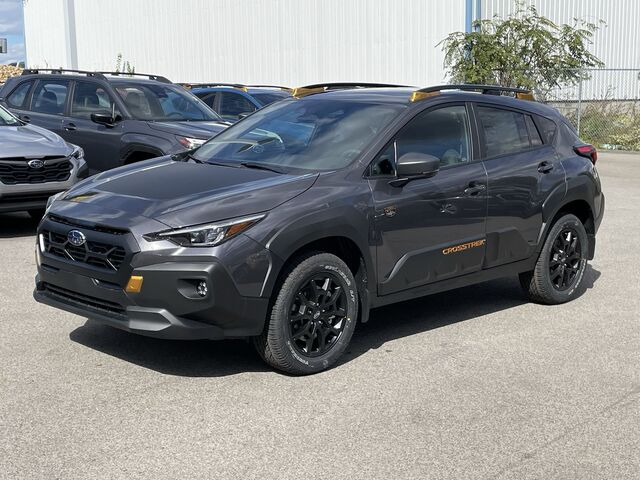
523 172
49 103
101 143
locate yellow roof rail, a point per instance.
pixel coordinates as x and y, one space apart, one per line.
424 93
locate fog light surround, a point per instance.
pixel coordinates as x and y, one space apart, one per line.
202 289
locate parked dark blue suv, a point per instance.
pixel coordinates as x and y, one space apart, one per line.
235 101
116 118
289 226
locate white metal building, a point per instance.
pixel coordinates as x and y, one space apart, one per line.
289 42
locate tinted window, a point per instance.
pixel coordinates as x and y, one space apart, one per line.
534 135
268 98
208 98
163 102
232 105
88 98
19 95
310 134
548 129
50 96
504 131
443 133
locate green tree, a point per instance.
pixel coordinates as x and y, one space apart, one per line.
524 50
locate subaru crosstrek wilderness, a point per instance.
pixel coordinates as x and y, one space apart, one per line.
291 224
34 164
116 118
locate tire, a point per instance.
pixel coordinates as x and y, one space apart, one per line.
317 300
36 214
559 272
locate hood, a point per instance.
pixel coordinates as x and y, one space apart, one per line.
202 130
31 142
181 194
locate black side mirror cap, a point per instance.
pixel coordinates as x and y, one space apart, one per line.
414 165
103 119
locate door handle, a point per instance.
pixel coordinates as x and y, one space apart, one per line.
474 188
545 167
70 127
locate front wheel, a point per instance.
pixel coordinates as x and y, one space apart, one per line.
313 316
559 271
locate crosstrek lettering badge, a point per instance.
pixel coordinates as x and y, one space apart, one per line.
464 246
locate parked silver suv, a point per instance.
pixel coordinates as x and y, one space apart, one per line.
34 164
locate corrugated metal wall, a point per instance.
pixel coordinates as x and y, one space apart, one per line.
291 42
617 44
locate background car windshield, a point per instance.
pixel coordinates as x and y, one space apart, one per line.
6 119
163 103
311 134
268 98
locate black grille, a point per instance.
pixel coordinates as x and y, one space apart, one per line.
100 255
81 300
17 170
96 228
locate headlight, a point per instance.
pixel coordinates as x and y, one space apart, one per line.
190 143
52 199
208 235
78 152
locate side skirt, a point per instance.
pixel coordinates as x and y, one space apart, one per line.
457 282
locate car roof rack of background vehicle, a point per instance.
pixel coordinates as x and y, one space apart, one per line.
60 71
428 92
150 76
239 86
325 87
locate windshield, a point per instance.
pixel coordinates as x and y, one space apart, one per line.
159 102
267 98
6 119
310 134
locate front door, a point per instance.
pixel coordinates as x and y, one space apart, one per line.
432 228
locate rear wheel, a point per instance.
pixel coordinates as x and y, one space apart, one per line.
313 316
559 271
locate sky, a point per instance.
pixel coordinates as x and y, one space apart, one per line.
12 28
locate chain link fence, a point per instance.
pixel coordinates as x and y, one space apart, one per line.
604 107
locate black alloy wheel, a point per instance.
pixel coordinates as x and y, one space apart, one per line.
565 259
317 315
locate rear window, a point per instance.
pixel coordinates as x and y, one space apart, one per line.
17 98
505 131
548 129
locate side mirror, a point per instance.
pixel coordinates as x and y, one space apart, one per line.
103 119
412 166
244 115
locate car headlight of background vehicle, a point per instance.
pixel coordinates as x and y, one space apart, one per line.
190 143
78 152
207 235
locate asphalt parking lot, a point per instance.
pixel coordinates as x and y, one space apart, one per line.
473 383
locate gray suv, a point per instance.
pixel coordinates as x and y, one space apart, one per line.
116 118
34 164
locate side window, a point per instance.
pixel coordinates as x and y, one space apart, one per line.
504 131
88 98
18 97
548 129
534 135
50 96
232 105
208 98
443 133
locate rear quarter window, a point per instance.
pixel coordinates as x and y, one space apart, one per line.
548 129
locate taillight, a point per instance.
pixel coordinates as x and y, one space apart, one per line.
587 151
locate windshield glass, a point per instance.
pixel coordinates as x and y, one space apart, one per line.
267 98
160 102
6 119
310 134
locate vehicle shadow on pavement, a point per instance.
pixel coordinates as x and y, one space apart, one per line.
229 357
14 225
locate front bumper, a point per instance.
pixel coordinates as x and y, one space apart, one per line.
168 305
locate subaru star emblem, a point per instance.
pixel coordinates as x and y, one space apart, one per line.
76 238
35 164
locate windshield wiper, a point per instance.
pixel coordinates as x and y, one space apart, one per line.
260 166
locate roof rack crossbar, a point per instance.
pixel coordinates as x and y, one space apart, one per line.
150 76
36 71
